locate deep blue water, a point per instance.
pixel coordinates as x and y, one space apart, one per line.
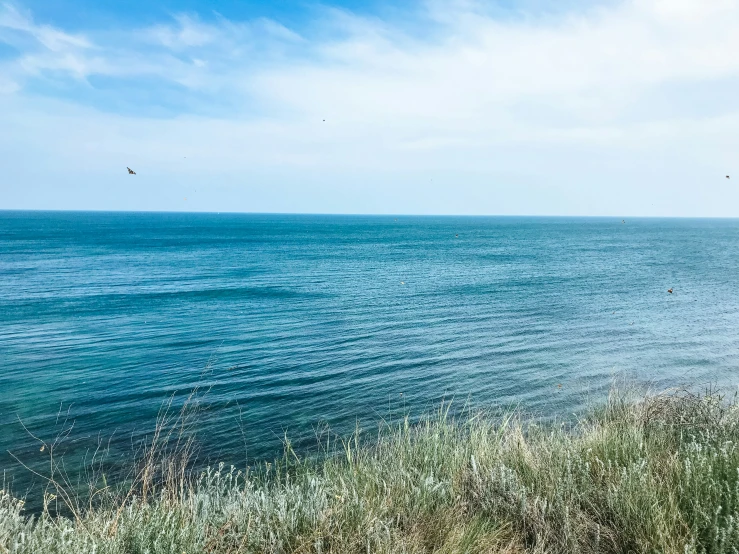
293 320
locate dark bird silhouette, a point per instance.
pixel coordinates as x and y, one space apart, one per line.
131 171
728 177
669 290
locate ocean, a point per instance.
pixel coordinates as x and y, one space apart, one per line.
290 322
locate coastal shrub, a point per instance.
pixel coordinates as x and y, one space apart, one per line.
660 474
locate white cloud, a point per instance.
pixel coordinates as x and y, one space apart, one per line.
187 34
572 106
11 18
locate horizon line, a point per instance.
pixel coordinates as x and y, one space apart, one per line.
361 214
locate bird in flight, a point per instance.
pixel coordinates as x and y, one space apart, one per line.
728 177
131 171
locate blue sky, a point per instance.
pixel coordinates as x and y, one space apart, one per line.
462 106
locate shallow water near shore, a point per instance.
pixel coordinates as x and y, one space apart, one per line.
292 320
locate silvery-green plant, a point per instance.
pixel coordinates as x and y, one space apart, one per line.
660 474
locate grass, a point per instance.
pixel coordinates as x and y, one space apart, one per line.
659 474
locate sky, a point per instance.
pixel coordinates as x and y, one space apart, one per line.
510 107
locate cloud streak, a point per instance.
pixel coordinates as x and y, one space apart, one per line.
610 109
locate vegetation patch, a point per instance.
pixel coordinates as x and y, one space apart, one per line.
658 474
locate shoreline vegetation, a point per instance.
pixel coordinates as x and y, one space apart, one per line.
656 473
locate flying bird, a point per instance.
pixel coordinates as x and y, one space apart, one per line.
669 290
728 177
130 171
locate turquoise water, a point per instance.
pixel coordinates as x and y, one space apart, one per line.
294 320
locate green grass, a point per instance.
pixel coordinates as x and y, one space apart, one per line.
656 475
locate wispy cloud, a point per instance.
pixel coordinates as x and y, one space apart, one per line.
13 19
630 85
189 33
